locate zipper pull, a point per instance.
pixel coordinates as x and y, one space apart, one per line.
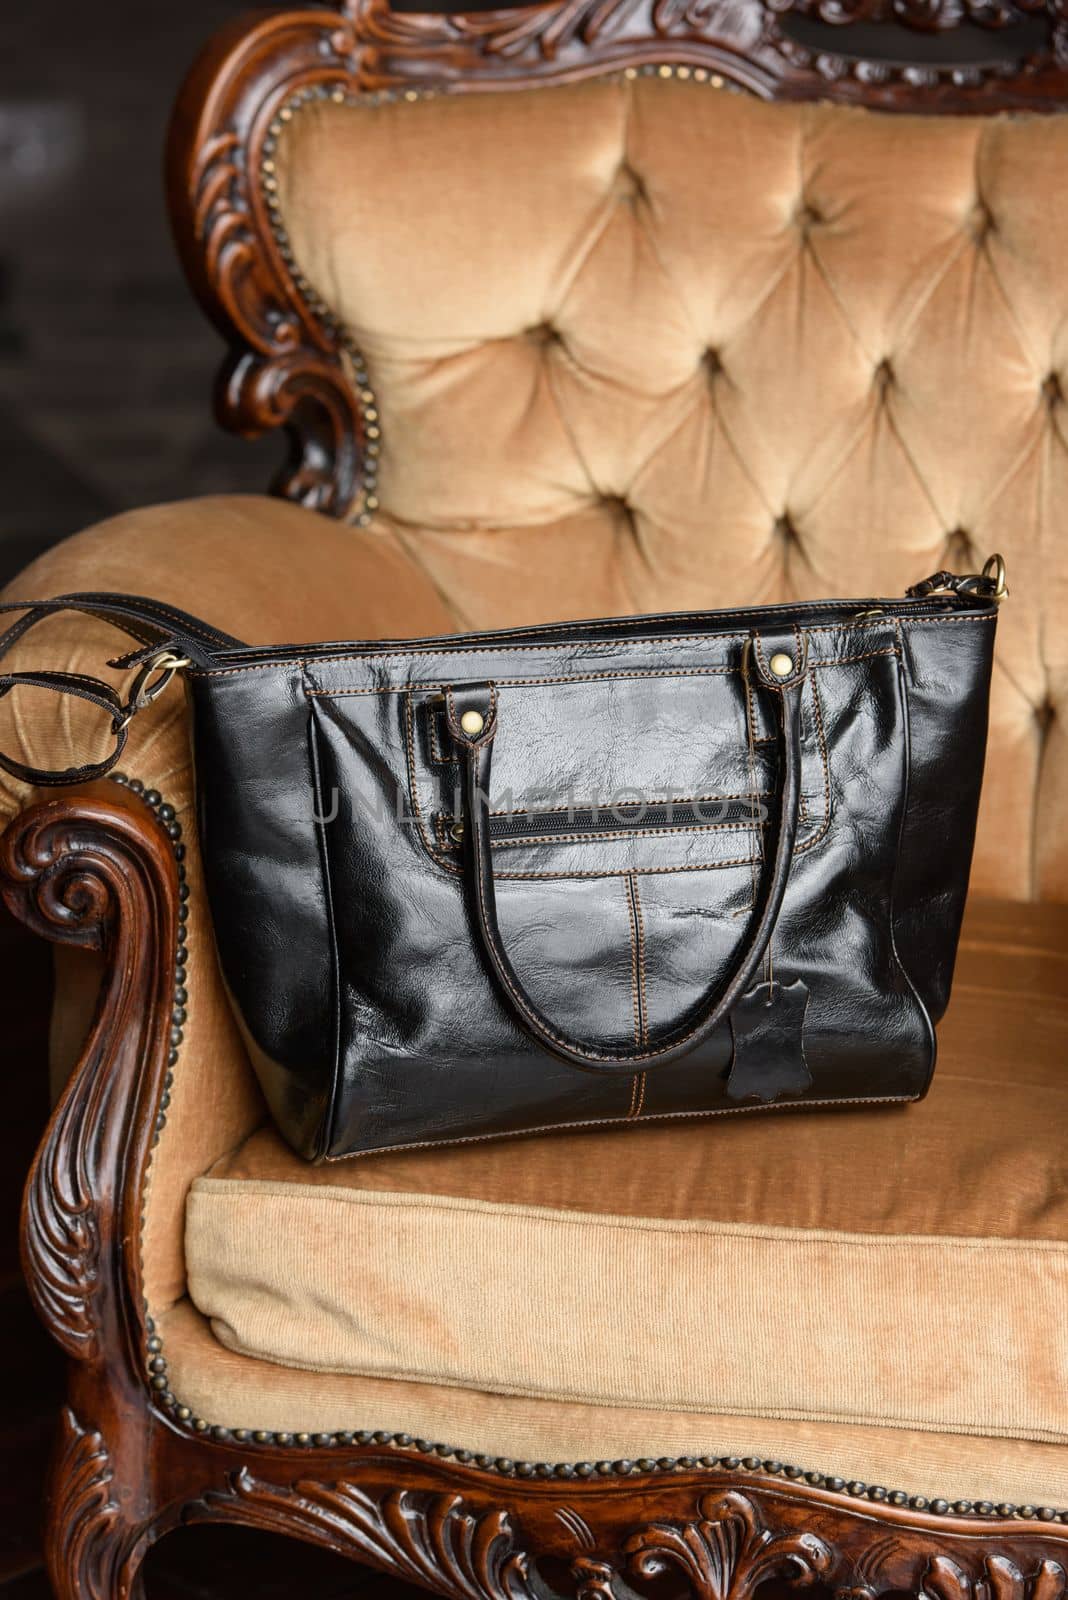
982 586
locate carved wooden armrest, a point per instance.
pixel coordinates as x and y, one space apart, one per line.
95 869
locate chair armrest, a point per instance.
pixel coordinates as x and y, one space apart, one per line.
266 571
94 869
262 569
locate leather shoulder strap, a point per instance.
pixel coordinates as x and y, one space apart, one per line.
154 624
168 639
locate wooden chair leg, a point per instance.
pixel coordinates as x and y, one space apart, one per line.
94 1539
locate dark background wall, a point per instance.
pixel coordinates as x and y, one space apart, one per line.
105 402
105 361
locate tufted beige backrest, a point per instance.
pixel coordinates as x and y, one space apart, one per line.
645 344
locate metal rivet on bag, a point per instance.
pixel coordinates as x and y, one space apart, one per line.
781 664
472 722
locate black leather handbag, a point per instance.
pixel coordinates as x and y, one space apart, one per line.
573 875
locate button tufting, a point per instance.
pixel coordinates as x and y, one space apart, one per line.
784 529
543 333
980 221
960 548
883 376
1052 393
807 215
712 363
628 184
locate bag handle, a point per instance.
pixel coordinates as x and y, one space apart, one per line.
471 713
169 639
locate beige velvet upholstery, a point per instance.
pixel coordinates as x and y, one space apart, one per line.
647 345
659 347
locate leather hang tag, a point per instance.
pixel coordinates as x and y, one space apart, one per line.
769 1051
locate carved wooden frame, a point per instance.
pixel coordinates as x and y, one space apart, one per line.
103 869
290 363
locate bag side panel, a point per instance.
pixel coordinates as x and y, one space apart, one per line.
948 666
428 1051
262 863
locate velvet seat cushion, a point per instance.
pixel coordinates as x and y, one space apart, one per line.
903 1272
232 1390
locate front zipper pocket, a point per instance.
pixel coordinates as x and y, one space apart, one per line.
575 823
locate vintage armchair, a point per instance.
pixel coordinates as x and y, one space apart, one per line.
596 306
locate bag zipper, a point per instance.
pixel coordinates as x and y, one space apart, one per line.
941 593
519 827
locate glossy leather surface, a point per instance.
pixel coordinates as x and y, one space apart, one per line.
331 785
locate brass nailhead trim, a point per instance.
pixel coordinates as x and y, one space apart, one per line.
368 502
156 1363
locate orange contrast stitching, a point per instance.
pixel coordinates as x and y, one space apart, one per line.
642 1077
633 930
653 1116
